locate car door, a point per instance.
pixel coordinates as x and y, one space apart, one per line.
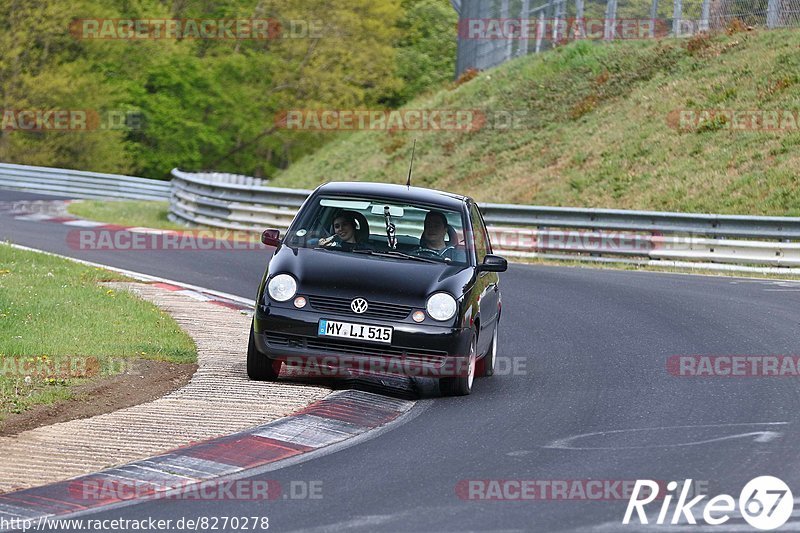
486 284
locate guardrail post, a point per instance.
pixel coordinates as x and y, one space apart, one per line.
677 14
706 14
611 20
524 15
773 13
540 32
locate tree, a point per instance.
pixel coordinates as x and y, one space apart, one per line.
211 104
426 51
40 69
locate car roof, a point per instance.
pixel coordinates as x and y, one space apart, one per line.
394 191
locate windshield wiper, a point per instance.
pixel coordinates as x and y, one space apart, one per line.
400 255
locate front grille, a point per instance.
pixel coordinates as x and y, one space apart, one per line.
278 340
375 310
413 355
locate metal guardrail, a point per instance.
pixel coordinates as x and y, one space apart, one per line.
533 231
235 202
79 184
652 221
590 244
203 199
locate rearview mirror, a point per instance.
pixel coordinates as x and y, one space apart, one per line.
493 263
271 237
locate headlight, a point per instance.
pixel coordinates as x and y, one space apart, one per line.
441 306
282 287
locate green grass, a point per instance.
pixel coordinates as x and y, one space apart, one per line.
148 215
54 312
125 213
598 130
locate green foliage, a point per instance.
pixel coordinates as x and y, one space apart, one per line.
39 70
210 104
426 51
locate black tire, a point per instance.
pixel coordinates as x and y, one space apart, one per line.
259 366
486 364
461 385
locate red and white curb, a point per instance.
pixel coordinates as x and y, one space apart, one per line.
205 296
324 425
340 416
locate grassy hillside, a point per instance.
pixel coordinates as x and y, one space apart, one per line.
598 130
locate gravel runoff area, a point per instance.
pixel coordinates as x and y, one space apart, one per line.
218 400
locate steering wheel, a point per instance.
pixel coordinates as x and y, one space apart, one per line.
431 251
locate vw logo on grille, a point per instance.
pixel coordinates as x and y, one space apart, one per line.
359 305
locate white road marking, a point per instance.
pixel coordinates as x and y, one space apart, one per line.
84 223
786 285
779 282
151 231
781 290
34 217
768 436
762 436
194 295
681 528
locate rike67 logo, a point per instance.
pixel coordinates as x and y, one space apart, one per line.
766 503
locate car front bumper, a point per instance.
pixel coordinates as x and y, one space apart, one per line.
291 335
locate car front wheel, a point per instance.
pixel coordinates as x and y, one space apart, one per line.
461 385
259 366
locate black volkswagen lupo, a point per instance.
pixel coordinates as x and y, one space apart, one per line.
380 278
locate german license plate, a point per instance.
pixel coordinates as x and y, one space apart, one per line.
361 332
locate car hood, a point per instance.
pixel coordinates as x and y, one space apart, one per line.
348 275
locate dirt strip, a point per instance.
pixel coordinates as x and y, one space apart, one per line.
218 400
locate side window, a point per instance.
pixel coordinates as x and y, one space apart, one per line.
482 246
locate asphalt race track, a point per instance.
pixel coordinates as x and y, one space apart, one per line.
585 352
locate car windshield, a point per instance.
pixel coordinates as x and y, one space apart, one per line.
359 225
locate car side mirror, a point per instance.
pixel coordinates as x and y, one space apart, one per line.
271 237
493 263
